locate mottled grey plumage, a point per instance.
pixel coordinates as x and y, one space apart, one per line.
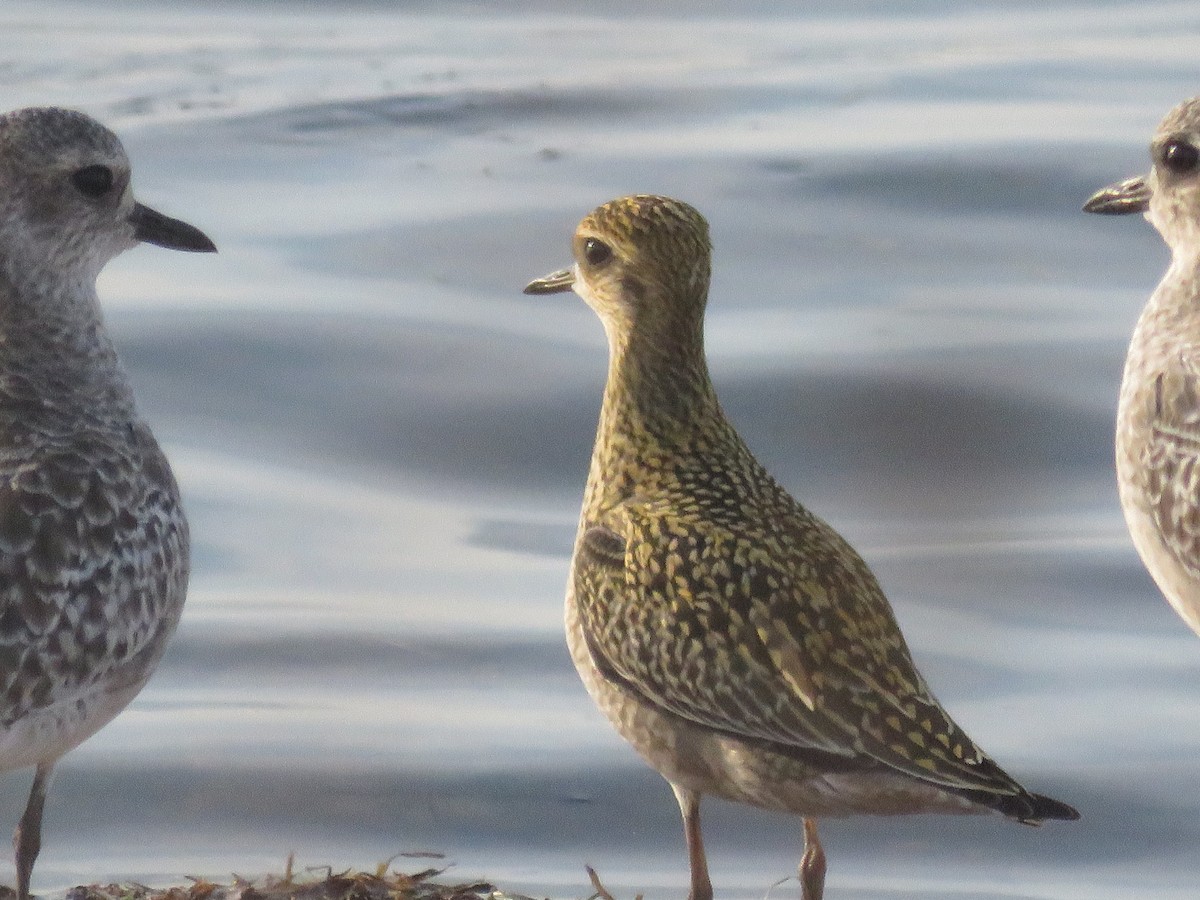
93 540
735 639
1158 416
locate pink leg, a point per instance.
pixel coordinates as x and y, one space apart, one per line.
812 864
689 805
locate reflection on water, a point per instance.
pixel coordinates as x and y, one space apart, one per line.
383 444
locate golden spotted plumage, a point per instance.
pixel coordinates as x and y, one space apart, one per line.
734 638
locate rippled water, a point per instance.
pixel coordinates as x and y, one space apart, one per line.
382 443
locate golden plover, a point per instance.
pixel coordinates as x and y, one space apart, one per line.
732 637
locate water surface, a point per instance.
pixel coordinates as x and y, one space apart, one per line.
382 443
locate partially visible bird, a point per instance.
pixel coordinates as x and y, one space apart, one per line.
1158 415
733 638
93 539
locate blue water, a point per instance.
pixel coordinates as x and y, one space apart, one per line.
382 443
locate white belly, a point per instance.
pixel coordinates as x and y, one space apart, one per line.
46 734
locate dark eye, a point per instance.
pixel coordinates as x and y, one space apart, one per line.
596 252
93 181
1180 156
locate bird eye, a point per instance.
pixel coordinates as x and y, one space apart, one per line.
1180 156
596 252
93 181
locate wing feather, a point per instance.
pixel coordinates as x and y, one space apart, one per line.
93 556
1170 462
769 636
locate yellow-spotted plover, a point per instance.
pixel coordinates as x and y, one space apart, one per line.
733 638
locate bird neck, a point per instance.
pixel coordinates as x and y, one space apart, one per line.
660 409
1172 316
54 348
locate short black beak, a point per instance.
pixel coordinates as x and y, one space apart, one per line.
1129 196
554 283
163 231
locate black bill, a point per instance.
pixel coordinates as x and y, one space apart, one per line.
163 231
1129 196
554 283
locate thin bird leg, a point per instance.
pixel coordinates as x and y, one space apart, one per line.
689 805
27 839
812 864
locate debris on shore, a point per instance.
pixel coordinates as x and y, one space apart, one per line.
313 884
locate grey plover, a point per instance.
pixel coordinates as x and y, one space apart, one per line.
732 637
93 540
1158 414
